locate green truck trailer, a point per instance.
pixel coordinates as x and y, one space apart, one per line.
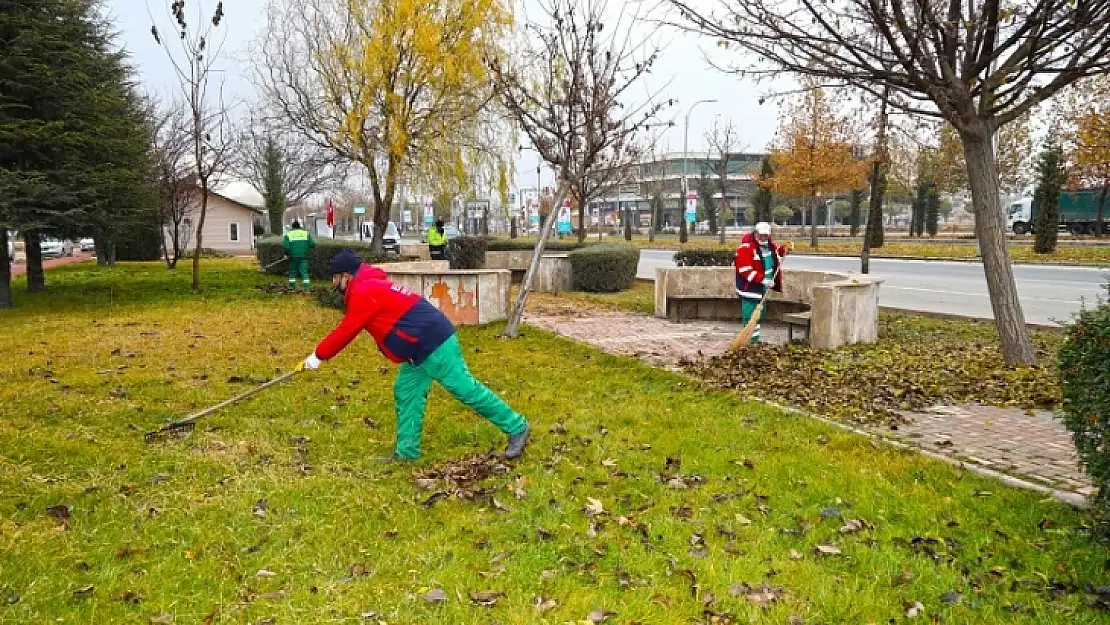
1078 212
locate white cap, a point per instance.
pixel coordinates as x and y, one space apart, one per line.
763 228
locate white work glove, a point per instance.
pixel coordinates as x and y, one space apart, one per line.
311 363
769 283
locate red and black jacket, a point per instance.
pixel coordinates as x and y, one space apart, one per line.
749 266
406 327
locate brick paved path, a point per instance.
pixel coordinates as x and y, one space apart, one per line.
1036 448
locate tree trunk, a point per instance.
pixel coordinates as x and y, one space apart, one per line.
581 215
721 220
813 222
277 215
512 227
5 271
200 233
105 250
1101 207
517 313
32 249
990 228
627 223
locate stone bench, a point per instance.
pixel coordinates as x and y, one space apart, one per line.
466 296
843 308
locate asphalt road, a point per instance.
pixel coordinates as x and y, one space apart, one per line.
1049 294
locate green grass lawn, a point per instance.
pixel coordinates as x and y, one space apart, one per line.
642 494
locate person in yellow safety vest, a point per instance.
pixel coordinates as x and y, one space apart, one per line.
297 243
437 241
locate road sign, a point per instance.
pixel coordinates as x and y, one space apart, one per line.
360 210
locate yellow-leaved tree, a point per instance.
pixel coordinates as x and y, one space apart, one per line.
394 85
1089 141
812 152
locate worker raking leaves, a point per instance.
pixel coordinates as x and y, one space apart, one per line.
297 243
410 331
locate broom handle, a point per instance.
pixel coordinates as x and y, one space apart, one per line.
238 398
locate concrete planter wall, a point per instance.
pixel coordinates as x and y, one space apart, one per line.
844 307
467 297
552 276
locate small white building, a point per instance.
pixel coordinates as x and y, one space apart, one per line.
228 225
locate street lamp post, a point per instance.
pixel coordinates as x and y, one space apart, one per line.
685 180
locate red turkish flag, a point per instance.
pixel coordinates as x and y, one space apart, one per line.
331 214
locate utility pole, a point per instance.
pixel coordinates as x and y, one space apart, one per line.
683 233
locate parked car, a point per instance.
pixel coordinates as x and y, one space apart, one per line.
53 248
391 240
87 245
11 250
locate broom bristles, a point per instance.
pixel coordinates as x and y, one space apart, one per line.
745 335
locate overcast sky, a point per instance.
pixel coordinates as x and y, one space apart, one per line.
681 69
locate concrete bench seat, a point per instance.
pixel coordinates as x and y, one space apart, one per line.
843 308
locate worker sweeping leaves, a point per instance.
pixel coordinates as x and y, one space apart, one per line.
411 331
758 268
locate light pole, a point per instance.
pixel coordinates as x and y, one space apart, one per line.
539 164
685 182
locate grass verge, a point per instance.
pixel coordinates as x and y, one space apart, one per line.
643 497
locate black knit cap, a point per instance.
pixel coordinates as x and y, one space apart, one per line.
344 262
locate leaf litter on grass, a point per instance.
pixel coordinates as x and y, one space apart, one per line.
917 363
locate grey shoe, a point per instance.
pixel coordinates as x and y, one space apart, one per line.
517 442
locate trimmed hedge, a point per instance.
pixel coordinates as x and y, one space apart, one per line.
467 252
713 257
604 268
270 250
1084 366
511 245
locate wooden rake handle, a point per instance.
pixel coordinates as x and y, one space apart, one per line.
238 398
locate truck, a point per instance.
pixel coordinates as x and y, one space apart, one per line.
1078 212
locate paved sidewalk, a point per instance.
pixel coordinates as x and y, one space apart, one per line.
1036 447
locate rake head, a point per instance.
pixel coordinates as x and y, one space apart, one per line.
170 431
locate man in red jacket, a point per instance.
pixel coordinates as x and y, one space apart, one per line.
411 331
758 268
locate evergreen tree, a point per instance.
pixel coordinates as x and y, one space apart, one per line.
1050 181
273 185
763 198
854 213
707 204
932 209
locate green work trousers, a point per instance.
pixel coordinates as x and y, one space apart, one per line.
298 267
446 366
747 309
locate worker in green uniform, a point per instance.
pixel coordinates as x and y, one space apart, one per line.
297 243
437 241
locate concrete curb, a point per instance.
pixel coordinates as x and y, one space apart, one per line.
971 261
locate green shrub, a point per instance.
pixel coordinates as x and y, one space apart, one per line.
467 252
329 297
270 250
714 257
604 268
140 239
1084 365
511 245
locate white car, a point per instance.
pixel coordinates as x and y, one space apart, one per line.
86 245
53 248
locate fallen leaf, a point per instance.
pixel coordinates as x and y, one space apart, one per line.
822 440
794 555
543 605
60 512
544 534
743 520
595 507
951 598
260 507
827 550
161 619
915 609
902 578
265 573
796 620
425 483
487 598
599 615
851 526
128 596
830 512
84 590
435 595
608 462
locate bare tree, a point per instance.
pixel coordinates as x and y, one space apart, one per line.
284 167
979 65
208 126
565 91
724 139
173 179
